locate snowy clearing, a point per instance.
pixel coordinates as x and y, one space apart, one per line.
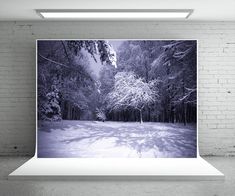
93 139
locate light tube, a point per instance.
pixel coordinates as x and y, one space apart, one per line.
114 15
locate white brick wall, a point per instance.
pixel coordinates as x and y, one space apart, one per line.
216 63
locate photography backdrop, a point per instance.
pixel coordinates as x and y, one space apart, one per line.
216 75
117 98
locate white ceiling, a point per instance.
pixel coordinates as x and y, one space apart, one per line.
204 10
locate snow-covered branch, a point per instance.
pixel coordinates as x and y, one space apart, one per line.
131 92
187 96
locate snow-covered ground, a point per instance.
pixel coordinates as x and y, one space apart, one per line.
93 139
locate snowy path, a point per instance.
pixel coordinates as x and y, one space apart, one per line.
92 139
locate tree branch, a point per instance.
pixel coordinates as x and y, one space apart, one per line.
68 67
65 51
52 61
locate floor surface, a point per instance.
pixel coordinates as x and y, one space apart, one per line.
118 187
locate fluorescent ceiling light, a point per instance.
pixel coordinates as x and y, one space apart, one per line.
114 14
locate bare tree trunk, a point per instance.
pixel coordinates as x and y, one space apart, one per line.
141 119
184 105
185 114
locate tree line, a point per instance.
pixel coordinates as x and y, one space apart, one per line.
141 81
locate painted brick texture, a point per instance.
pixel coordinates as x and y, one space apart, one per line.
216 82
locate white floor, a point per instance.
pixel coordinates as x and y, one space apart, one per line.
118 187
87 168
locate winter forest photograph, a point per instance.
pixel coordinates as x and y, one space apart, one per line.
117 98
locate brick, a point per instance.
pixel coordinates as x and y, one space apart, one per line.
216 66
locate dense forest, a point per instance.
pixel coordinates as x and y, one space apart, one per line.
108 80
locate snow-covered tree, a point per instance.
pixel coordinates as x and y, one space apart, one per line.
137 56
102 48
131 92
100 114
68 63
51 109
176 68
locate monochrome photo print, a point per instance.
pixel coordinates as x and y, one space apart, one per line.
117 98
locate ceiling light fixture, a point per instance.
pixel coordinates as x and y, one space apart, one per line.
115 14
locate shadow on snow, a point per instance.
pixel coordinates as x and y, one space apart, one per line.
164 139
